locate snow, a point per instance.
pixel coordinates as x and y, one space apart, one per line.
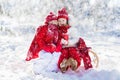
97 21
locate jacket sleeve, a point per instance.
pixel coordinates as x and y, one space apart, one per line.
41 39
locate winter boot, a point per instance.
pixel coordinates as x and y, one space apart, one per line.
63 66
73 63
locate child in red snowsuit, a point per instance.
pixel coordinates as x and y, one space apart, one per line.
71 57
63 27
46 38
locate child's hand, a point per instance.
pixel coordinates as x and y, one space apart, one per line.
64 42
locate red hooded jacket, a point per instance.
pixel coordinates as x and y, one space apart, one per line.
45 39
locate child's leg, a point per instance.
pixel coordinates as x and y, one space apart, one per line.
72 63
87 61
75 58
63 66
63 60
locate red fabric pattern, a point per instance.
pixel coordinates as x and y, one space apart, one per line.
63 33
83 50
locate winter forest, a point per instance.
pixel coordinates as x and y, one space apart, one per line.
97 21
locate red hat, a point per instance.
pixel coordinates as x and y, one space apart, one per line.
50 17
62 13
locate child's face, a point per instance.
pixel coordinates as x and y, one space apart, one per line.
62 21
54 22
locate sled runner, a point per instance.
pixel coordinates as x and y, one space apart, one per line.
96 59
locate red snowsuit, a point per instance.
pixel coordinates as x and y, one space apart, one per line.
46 39
69 52
78 52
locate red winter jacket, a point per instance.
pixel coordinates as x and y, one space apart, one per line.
45 39
69 52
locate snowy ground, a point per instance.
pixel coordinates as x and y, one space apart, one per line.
13 52
98 24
